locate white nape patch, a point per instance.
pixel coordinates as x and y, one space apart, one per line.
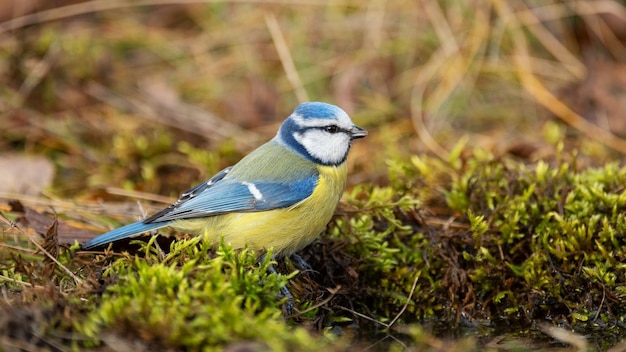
329 148
253 190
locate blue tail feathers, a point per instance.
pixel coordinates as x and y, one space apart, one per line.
127 231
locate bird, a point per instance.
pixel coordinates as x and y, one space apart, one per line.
280 196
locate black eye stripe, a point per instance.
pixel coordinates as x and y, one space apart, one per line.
330 129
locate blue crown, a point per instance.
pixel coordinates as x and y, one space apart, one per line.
318 110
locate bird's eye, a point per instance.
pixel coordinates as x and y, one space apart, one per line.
332 129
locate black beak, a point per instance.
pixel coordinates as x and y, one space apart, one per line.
357 132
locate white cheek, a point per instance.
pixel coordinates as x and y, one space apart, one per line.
329 148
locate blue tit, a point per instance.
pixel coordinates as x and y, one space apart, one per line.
281 196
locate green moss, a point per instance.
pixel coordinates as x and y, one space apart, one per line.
487 238
189 298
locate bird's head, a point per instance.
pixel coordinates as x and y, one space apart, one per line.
320 132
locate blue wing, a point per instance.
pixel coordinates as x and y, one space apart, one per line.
146 225
233 195
218 195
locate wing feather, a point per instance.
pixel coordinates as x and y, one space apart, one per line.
233 195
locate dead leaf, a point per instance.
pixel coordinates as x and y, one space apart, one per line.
42 224
51 245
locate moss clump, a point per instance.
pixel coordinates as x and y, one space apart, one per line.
192 299
487 239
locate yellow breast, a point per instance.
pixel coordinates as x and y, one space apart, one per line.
286 230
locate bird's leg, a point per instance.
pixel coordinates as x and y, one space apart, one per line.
289 305
301 263
284 291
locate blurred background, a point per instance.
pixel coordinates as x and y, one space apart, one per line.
110 99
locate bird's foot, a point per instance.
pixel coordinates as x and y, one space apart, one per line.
301 263
284 292
289 305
